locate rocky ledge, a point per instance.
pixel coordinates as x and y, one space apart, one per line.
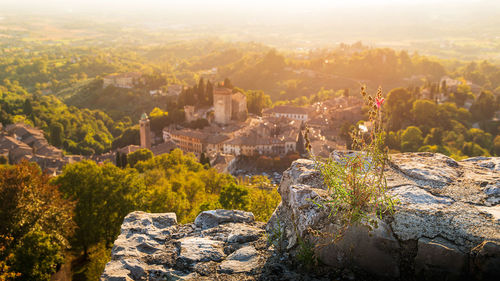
446 227
219 245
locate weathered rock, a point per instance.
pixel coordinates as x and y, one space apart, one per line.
424 166
208 219
244 260
196 249
154 247
374 252
446 226
438 259
485 260
449 207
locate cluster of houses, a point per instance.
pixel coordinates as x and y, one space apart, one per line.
20 142
280 130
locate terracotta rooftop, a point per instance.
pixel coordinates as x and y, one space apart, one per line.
287 109
203 136
163 148
129 149
7 142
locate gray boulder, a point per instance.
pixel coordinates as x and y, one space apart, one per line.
445 227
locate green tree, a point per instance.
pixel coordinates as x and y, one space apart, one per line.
398 108
496 145
257 101
130 136
201 94
234 197
37 256
36 221
27 107
228 84
204 160
393 140
474 149
483 139
484 107
159 119
210 93
98 257
56 134
424 114
104 194
411 139
433 137
142 154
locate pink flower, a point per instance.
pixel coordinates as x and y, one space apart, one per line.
379 102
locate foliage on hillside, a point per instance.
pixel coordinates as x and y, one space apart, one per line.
84 131
36 223
421 124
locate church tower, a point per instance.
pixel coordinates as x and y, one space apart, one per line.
222 105
145 131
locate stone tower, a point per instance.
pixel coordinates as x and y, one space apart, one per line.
145 131
222 105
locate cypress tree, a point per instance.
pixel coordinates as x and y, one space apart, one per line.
210 93
201 91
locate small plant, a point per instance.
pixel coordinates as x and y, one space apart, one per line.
306 255
355 180
276 235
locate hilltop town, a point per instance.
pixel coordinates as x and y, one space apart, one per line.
229 134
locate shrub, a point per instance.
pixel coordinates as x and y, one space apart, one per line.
355 181
234 197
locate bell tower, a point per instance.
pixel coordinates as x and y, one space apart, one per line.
145 131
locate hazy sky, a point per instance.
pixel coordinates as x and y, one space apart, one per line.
337 18
229 5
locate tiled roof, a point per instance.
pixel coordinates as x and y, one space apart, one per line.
163 148
129 149
286 109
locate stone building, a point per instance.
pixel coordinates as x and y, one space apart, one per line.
222 105
229 106
189 113
239 107
195 141
291 112
273 136
122 80
22 142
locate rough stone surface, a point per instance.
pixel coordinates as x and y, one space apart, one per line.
243 260
439 259
445 227
222 245
209 219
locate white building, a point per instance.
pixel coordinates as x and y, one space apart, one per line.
291 112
